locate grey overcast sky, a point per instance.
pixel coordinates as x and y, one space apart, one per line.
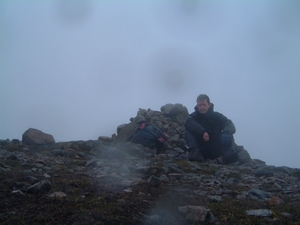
78 69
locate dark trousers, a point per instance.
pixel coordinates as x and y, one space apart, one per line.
211 149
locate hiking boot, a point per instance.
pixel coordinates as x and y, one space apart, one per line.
195 155
230 156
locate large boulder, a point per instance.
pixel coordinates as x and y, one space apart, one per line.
125 132
36 137
177 111
244 156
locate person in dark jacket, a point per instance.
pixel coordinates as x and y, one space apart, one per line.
209 134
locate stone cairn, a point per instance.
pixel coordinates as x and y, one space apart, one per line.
170 119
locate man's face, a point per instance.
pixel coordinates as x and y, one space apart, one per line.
203 106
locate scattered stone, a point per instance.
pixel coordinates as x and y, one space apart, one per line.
62 153
215 198
58 194
126 183
196 214
4 167
91 163
286 215
4 142
259 162
264 171
46 175
12 157
176 176
275 200
40 187
29 179
128 190
283 169
15 141
258 194
105 139
164 179
154 181
259 212
17 193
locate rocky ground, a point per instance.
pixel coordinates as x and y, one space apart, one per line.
92 182
110 181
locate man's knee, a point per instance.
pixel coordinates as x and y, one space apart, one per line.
191 140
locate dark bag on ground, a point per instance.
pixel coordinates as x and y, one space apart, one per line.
149 136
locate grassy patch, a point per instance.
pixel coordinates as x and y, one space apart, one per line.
236 175
12 163
185 165
207 170
85 203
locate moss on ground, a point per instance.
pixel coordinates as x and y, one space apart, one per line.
89 201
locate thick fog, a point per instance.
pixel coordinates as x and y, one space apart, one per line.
78 69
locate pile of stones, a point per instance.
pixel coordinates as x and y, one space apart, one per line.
170 119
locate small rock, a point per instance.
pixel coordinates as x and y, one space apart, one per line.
197 214
12 157
258 194
128 190
15 141
286 215
154 181
105 139
259 212
175 175
126 183
275 200
164 179
4 142
215 198
40 187
264 171
91 163
30 179
58 194
46 175
17 193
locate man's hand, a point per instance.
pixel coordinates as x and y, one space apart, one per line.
205 136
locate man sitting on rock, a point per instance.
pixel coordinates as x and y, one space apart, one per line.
209 134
